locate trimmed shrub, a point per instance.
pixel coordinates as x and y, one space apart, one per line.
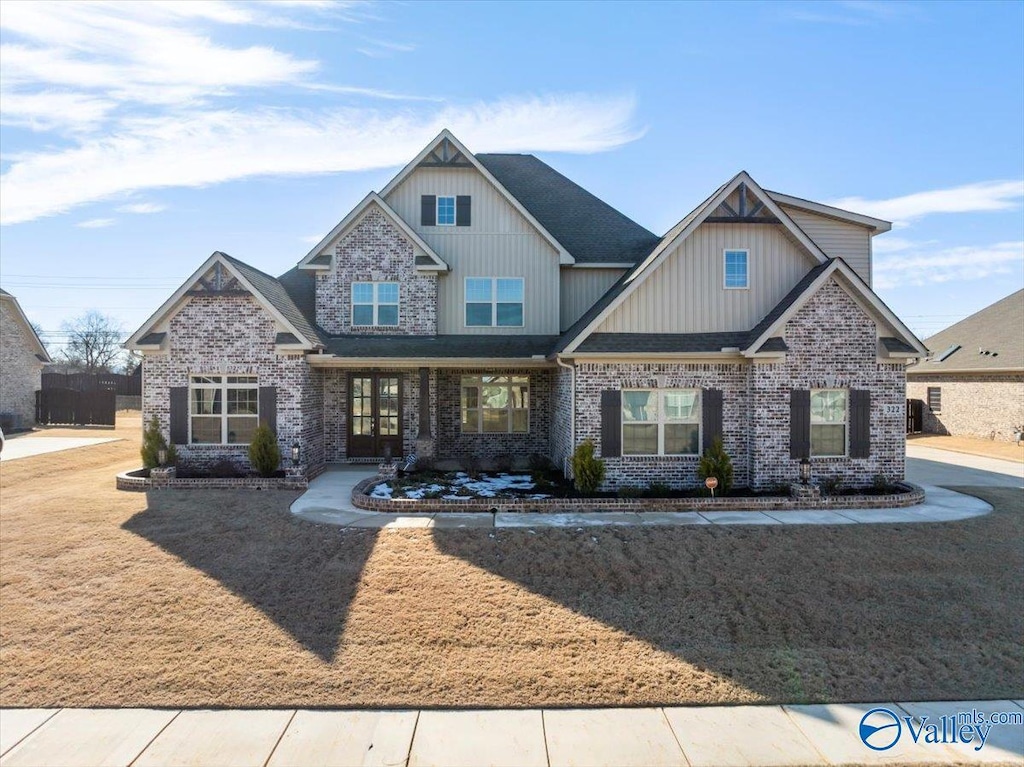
587 469
264 453
152 443
716 463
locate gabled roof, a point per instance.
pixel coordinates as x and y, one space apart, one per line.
876 225
989 340
591 229
564 255
40 351
267 290
317 259
676 235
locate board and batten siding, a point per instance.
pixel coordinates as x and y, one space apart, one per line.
499 242
838 239
581 288
687 295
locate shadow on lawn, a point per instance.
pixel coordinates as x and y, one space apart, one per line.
797 614
301 576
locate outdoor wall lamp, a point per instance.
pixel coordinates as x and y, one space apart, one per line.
295 454
805 471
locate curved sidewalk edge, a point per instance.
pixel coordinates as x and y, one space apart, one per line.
328 501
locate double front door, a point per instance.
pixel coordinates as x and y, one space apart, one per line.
374 415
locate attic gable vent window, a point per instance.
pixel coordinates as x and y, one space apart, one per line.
737 274
446 211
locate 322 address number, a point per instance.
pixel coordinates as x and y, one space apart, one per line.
893 409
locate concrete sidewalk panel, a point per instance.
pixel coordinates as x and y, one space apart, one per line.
747 735
833 730
501 738
455 520
86 737
611 737
1004 743
345 738
810 517
671 518
17 723
231 738
738 518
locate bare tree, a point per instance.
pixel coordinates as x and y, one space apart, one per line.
39 333
94 342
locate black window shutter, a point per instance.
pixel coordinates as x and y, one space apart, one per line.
179 415
462 210
428 210
860 423
799 423
711 416
611 423
268 407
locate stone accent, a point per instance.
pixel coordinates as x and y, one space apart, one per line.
832 344
234 335
452 443
561 446
675 471
909 495
983 405
20 370
375 250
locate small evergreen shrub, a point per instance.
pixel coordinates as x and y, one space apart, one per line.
152 443
880 484
831 485
587 469
716 463
658 490
630 491
264 453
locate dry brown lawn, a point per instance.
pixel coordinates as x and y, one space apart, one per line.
220 598
1008 451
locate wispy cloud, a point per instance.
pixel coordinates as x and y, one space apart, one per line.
382 49
311 239
201 148
922 267
95 223
142 208
852 13
969 198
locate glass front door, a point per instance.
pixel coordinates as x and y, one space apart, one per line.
374 415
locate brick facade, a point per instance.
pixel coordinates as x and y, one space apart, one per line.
375 250
984 405
233 334
20 369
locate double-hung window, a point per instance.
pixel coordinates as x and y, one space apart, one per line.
494 302
223 409
495 404
375 304
737 269
446 211
661 421
828 422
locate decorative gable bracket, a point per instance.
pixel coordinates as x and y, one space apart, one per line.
742 208
445 155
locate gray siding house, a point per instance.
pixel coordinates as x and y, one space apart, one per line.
972 384
22 357
486 305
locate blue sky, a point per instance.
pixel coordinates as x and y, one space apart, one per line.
137 139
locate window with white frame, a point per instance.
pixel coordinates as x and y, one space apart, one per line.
375 304
445 211
494 302
495 404
661 421
737 272
828 422
223 410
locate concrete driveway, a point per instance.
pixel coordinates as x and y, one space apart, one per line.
26 445
928 466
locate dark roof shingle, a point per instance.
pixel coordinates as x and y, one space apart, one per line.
460 346
997 329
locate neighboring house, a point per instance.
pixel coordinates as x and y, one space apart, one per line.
485 304
972 384
22 356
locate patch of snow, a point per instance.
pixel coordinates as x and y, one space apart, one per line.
418 492
456 497
383 490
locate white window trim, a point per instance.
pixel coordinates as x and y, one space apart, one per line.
223 416
376 303
662 421
845 424
455 209
494 302
725 284
479 384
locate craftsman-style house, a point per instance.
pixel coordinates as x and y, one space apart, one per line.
485 304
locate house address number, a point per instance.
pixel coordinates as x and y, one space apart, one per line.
893 409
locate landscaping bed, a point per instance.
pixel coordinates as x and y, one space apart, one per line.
139 480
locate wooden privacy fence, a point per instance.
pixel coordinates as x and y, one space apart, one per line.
81 408
124 385
915 416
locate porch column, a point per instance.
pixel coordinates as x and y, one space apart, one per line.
424 439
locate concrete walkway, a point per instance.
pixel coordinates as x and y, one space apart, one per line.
928 466
328 501
647 737
28 445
